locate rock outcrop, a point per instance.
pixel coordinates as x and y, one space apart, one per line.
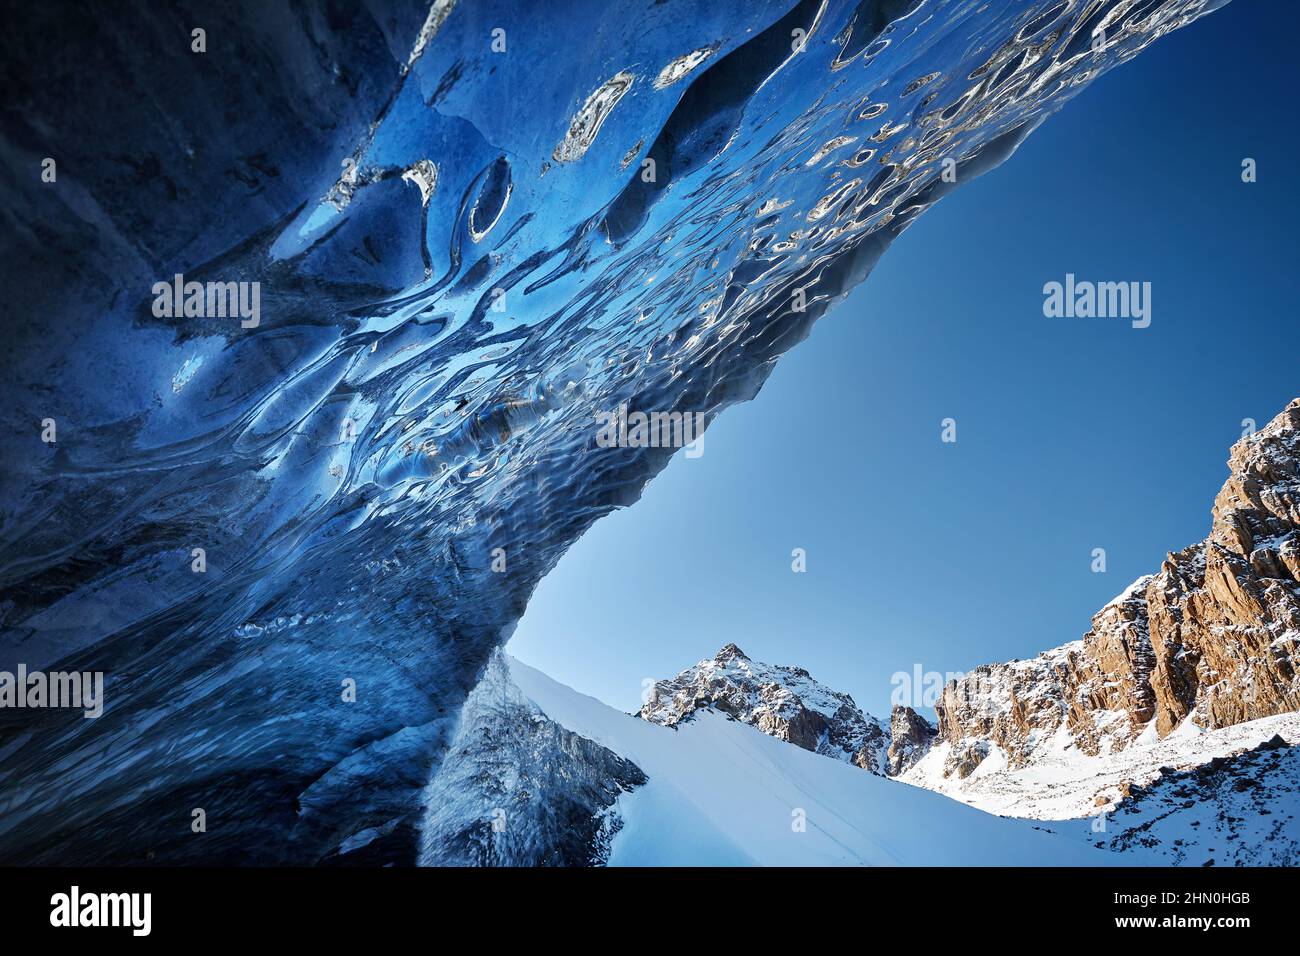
910 736
783 702
1212 637
1097 689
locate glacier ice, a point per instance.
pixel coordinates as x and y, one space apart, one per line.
517 789
443 305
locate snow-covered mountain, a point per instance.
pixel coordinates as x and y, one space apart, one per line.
1192 796
782 702
716 791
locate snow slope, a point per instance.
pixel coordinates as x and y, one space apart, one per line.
1242 810
1063 783
723 793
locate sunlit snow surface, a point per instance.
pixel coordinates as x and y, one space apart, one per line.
1060 782
1225 797
721 793
462 259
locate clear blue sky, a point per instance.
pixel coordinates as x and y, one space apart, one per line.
1073 434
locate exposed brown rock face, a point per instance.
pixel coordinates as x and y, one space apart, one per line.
1214 635
783 702
1114 669
1225 615
1097 688
910 737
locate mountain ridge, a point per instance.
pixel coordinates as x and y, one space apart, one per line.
1212 637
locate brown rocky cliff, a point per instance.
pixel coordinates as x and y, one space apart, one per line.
1215 635
1225 615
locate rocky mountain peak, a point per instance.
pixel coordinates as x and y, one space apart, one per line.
783 702
730 652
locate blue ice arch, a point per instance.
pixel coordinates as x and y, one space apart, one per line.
473 227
